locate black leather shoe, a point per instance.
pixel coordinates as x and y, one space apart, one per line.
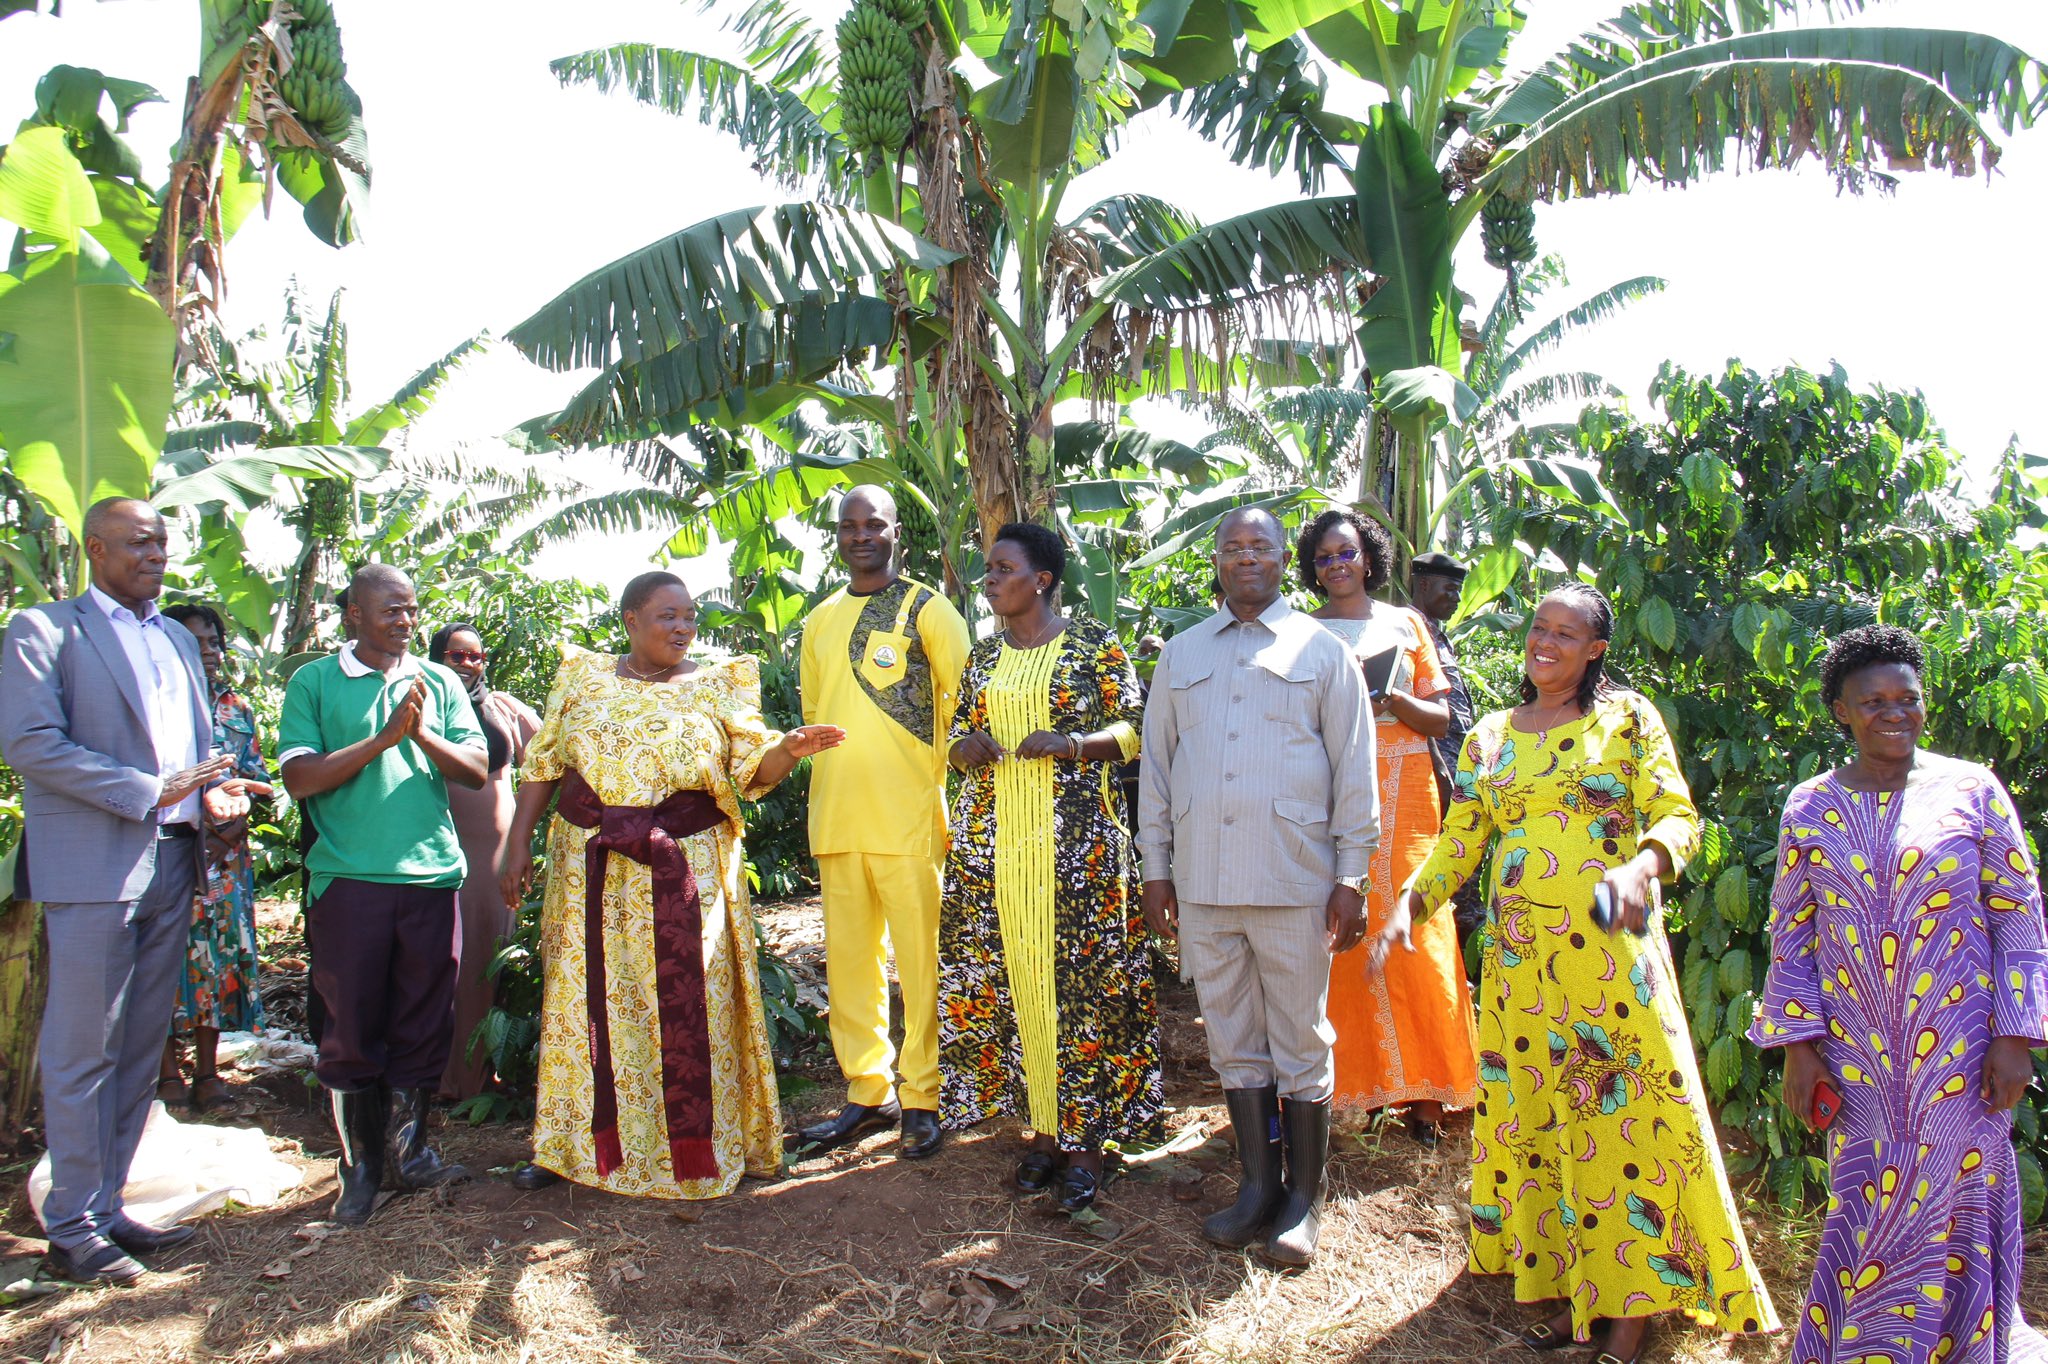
361 1118
1255 1122
922 1134
416 1164
531 1178
850 1123
95 1261
139 1239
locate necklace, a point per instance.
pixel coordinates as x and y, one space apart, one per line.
1053 627
644 677
1555 714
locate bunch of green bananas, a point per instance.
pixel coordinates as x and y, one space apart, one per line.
878 73
313 86
1508 227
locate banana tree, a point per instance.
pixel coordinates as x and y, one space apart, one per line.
85 402
1666 92
273 430
937 248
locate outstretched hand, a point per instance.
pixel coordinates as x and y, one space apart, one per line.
807 740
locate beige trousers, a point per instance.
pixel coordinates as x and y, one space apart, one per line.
1262 975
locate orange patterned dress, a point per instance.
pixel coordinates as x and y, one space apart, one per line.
1406 1035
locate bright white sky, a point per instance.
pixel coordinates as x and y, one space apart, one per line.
495 188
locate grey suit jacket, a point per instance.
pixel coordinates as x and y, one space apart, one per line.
73 725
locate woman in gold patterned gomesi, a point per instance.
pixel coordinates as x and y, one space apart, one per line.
656 1077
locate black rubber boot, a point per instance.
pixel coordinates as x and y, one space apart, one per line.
360 1119
416 1164
1299 1223
1255 1119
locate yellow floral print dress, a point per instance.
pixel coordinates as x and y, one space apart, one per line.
1595 1173
637 743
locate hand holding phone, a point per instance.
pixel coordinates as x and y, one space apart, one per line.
1827 1102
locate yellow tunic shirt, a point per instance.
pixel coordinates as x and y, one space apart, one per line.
885 668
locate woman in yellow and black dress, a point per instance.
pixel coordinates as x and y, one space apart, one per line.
1046 1005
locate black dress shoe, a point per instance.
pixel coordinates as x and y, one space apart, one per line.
531 1177
139 1239
849 1124
922 1134
95 1261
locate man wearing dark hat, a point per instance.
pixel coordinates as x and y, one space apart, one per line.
1435 581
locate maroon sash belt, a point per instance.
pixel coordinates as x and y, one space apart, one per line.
648 834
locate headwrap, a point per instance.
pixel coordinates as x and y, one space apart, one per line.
496 738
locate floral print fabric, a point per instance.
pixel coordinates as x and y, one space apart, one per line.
1086 965
1906 934
1595 1173
637 743
218 989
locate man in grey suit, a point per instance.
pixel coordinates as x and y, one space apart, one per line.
104 715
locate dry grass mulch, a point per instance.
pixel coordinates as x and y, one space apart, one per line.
853 1256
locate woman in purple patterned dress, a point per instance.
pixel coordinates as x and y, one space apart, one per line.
1909 969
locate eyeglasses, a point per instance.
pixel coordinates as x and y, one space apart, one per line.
465 656
1342 556
1248 552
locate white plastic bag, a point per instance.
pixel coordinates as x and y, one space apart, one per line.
182 1170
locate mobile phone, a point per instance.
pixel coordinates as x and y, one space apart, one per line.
1827 1102
1605 917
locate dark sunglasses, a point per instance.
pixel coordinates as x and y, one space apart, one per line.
465 656
1342 556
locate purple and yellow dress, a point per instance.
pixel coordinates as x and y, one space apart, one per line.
1906 934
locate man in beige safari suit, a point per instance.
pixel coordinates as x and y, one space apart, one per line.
1258 813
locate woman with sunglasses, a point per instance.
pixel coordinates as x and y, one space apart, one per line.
482 818
1405 1036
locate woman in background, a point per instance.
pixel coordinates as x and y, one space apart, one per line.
218 991
1404 1033
482 819
1909 971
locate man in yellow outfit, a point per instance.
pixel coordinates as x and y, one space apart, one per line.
881 659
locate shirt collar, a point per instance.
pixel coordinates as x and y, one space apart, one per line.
1271 616
351 666
115 611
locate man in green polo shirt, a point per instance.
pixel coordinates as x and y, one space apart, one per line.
369 740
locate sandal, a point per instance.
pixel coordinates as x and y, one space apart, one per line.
1541 1336
218 1100
1034 1173
1078 1188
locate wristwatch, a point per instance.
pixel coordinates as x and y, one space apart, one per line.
1352 883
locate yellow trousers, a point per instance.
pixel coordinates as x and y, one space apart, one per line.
865 893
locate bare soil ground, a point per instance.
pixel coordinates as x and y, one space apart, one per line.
853 1256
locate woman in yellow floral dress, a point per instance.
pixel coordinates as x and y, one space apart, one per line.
1595 1175
656 1077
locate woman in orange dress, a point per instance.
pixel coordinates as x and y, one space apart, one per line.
1405 1038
